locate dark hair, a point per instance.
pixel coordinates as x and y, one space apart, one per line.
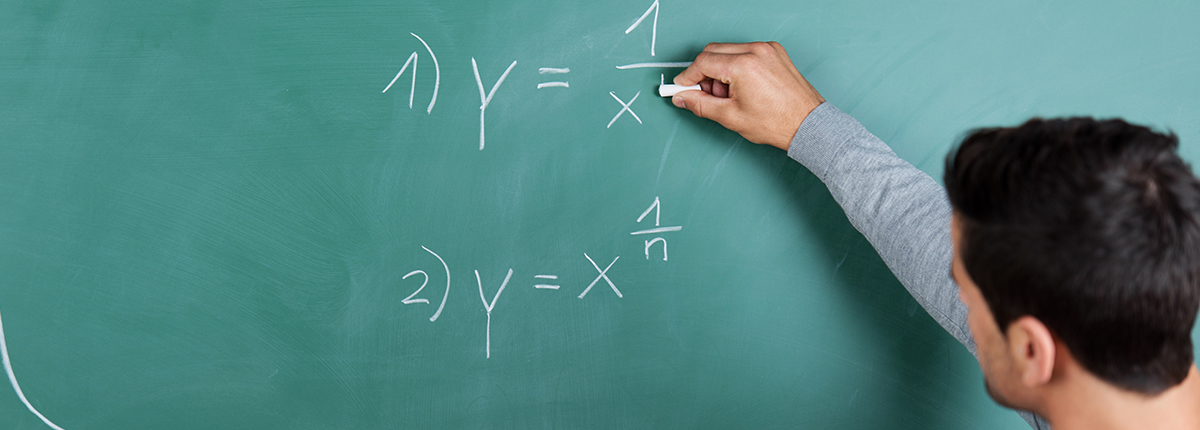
1093 228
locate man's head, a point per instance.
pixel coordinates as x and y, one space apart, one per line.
1079 233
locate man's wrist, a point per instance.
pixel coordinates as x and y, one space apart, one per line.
786 143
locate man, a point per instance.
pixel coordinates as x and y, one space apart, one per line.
1075 243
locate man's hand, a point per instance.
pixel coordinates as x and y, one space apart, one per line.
750 88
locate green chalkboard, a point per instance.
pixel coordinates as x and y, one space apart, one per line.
212 215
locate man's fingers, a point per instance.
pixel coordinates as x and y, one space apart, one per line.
719 89
718 60
691 76
708 65
705 105
716 88
775 46
750 88
727 48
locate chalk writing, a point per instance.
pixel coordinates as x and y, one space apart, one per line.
603 275
413 88
410 300
485 99
489 306
447 293
624 108
546 286
651 242
673 65
553 84
543 282
653 28
437 73
437 80
657 230
657 208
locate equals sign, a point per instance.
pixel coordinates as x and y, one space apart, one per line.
546 286
553 71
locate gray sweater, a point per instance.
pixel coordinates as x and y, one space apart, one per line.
898 208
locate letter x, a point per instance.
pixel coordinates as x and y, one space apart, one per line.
601 276
624 107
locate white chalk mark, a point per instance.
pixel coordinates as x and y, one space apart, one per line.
447 294
654 27
671 65
657 230
603 275
546 286
624 108
552 70
651 242
13 378
653 206
437 77
657 208
410 300
413 88
485 99
489 307
488 99
553 84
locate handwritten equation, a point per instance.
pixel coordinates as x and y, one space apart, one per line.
485 97
541 281
556 78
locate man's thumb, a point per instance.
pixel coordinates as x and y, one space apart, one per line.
702 104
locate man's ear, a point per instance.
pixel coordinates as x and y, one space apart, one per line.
1033 350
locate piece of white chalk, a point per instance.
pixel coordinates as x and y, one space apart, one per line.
669 90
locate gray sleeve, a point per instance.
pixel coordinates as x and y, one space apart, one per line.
898 208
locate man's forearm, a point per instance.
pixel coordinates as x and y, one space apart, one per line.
898 208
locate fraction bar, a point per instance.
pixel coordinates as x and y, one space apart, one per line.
657 230
678 65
